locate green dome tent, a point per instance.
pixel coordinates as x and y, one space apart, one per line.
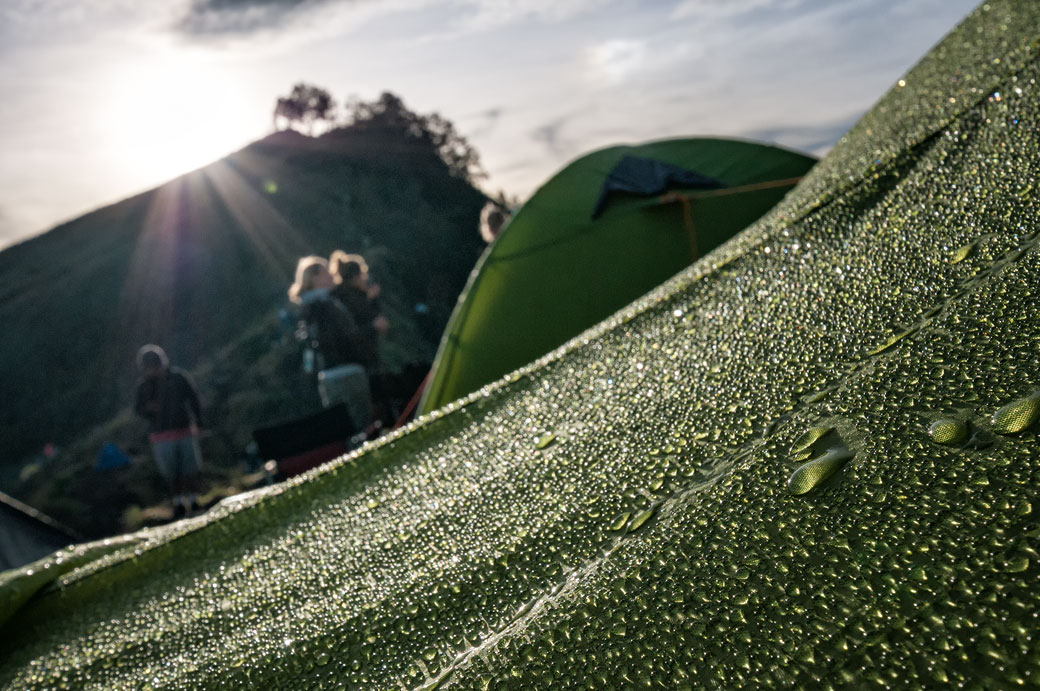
577 252
807 461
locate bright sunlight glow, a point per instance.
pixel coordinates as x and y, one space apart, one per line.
167 114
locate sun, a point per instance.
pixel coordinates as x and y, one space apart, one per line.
169 113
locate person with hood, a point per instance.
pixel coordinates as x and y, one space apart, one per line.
168 399
493 220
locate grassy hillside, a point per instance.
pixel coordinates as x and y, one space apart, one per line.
201 266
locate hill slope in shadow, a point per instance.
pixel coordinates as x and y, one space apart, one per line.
198 262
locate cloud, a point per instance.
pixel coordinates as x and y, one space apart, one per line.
618 59
485 122
229 18
36 24
714 10
489 14
222 17
815 138
549 135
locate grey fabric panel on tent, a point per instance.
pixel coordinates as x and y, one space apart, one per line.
26 535
645 177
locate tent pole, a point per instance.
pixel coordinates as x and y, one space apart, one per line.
687 214
414 402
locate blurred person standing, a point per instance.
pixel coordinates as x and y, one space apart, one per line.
360 295
168 399
493 220
334 334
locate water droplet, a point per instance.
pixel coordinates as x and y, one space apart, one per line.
620 520
891 342
962 253
1016 416
811 475
818 396
808 438
544 440
948 431
640 519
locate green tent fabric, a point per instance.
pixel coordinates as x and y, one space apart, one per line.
555 271
808 461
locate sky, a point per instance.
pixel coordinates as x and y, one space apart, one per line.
103 99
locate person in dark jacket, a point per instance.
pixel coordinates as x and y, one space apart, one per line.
361 296
333 332
167 398
354 289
